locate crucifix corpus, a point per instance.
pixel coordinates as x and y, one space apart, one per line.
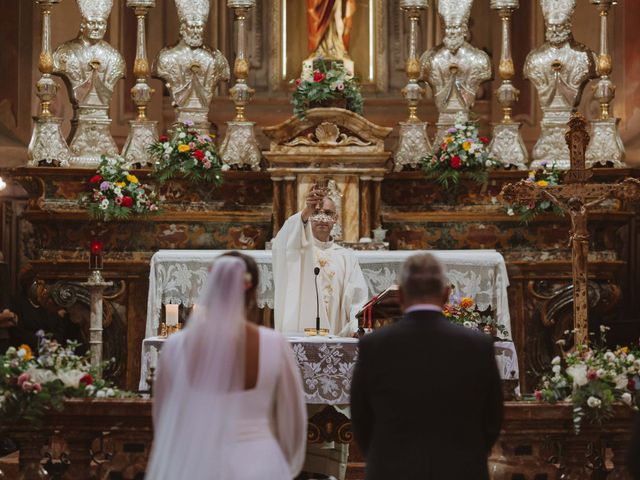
576 197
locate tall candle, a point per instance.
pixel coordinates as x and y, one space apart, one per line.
171 312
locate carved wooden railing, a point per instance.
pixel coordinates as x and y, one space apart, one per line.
95 439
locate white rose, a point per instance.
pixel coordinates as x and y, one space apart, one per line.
225 167
556 369
609 356
626 398
579 375
631 357
101 394
70 378
556 360
594 402
40 375
111 393
600 372
182 135
510 212
621 381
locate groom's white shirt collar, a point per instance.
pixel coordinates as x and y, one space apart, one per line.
428 307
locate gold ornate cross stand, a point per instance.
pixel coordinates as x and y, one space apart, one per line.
576 197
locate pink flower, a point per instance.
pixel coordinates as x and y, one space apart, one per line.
538 395
27 387
298 82
192 145
592 374
207 165
37 388
24 377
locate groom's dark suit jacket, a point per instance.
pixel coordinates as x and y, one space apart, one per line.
426 400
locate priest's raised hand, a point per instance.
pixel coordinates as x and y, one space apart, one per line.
304 243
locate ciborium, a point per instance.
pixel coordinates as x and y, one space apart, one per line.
240 147
47 145
413 143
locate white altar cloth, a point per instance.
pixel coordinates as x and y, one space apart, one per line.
176 276
326 365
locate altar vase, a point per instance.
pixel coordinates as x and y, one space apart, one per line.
426 395
304 244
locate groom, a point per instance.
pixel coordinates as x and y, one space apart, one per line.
426 396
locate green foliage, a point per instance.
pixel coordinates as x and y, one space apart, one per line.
461 153
187 154
324 84
116 194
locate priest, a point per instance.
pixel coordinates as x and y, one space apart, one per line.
304 252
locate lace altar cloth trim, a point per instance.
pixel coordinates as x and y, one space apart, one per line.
326 365
176 276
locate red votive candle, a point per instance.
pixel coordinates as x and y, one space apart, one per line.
95 260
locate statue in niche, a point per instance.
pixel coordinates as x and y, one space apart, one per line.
559 69
90 68
455 69
190 70
329 24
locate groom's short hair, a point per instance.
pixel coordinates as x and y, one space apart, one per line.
422 276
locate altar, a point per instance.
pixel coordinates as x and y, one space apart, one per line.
176 277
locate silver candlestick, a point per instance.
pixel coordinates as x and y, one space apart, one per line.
240 147
47 145
606 144
507 145
413 143
142 132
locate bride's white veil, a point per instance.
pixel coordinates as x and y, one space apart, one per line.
199 371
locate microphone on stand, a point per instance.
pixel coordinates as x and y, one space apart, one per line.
316 272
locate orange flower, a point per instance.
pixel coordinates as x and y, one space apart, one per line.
28 355
466 302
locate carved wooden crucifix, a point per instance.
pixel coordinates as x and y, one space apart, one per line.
576 197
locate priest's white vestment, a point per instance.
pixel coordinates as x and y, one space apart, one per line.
341 286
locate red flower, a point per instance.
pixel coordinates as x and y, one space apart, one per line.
444 146
96 179
318 76
484 140
298 81
592 374
456 163
199 154
163 138
127 202
538 395
631 385
86 379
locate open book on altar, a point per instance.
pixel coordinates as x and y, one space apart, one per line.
381 310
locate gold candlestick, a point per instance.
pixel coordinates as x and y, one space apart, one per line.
507 144
47 146
606 145
142 132
240 147
413 142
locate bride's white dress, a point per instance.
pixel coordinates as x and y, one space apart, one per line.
267 437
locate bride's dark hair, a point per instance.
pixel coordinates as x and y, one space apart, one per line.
250 301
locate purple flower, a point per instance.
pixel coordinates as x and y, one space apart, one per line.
104 186
543 164
452 130
188 123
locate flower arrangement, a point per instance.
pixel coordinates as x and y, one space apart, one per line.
461 152
31 387
593 378
323 85
543 177
463 311
187 154
116 194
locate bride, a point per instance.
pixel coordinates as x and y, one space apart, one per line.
228 399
